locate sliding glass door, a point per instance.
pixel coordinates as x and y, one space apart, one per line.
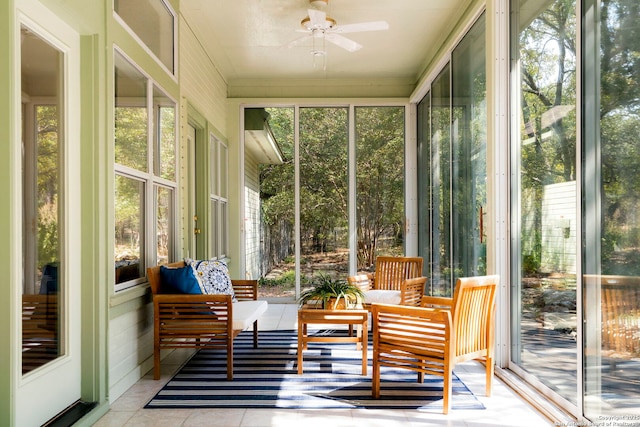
611 201
544 196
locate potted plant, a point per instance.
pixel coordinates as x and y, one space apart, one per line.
331 294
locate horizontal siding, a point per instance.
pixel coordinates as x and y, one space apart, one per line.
130 347
252 214
200 81
559 228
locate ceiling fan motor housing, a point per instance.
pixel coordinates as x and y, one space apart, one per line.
319 3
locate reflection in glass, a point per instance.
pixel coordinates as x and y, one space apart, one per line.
129 224
43 143
165 127
452 171
545 196
379 183
469 154
424 183
131 125
611 261
164 222
153 23
440 263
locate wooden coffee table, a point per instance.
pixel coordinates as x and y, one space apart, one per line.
351 318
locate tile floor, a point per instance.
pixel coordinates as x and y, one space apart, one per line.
503 408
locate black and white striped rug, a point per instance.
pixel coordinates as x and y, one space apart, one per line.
267 378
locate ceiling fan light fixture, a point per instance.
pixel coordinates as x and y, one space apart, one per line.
319 3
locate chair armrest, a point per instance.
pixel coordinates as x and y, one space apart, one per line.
245 290
412 290
363 281
436 302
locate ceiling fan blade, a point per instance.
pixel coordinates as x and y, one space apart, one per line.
343 42
318 18
361 27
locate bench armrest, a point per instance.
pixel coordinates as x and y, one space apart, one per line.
245 290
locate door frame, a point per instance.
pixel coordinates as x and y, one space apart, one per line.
41 388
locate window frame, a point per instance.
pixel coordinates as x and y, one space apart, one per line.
174 66
151 181
218 197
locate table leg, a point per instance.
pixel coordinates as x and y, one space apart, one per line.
364 344
302 332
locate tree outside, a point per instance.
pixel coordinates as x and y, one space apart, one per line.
324 193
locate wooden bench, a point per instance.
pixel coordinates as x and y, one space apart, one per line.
202 321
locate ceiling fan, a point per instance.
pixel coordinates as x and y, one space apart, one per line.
319 26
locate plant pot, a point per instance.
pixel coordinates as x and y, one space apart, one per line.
335 304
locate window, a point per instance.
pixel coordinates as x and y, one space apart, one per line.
218 197
452 170
145 174
153 22
379 188
43 182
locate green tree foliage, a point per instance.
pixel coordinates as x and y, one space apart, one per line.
48 167
548 84
547 57
131 137
619 130
323 178
379 179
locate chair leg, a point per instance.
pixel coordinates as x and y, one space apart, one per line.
156 362
446 391
375 379
490 371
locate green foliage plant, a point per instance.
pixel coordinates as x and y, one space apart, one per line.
326 288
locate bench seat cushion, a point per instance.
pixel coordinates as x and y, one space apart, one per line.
382 296
247 312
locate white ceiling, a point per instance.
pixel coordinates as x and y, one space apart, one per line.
248 39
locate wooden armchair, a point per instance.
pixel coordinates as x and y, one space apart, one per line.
433 338
397 280
202 321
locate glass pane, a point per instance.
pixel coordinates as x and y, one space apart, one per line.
469 154
213 166
380 183
611 260
277 214
424 185
544 295
42 183
215 238
224 160
441 185
129 221
165 139
224 233
131 129
324 212
152 21
164 225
